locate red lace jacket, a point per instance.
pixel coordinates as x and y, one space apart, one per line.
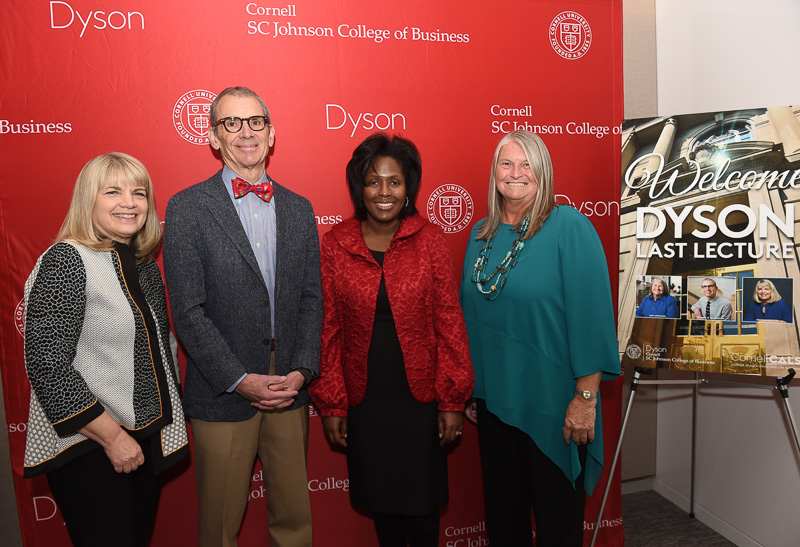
423 295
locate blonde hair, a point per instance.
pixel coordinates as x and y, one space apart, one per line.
542 168
774 297
79 226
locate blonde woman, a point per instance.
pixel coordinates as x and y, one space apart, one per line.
105 413
767 304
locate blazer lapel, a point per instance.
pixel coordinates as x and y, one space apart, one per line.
283 235
221 208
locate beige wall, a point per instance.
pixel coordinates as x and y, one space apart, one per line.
639 58
638 457
716 55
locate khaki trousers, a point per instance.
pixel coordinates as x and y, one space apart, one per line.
224 457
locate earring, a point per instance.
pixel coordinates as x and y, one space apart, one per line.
406 201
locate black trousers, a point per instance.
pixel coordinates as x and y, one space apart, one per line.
405 530
518 477
102 507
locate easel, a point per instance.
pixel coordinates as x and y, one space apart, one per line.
782 387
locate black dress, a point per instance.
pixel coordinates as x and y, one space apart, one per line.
394 459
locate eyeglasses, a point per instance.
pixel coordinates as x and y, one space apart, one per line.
232 124
708 286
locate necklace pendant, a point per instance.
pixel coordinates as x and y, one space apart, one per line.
479 276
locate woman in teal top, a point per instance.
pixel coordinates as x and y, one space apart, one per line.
537 304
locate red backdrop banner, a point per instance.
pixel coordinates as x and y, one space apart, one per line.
84 77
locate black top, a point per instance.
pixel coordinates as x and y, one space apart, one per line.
394 459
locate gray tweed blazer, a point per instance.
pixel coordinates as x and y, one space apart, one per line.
220 304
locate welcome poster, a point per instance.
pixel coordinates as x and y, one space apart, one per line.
708 241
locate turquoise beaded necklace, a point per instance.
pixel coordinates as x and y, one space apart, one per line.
503 269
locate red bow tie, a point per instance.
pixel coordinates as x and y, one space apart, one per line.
242 187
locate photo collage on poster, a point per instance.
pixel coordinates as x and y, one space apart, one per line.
708 250
714 298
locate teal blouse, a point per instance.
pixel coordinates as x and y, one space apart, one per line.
552 323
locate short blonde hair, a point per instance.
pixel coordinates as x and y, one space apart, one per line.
542 168
79 226
763 283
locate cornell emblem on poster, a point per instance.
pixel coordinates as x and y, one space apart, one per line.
190 115
450 206
633 351
570 35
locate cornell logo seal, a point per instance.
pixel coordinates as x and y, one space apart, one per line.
450 206
190 115
570 35
633 351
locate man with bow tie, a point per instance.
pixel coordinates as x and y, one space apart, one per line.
241 257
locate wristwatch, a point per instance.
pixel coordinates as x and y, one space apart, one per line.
586 394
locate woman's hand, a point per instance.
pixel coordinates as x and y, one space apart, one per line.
581 413
335 428
579 422
450 424
471 411
122 450
124 453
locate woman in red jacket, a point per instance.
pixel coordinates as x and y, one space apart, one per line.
395 370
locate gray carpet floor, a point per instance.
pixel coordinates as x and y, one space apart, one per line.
650 520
